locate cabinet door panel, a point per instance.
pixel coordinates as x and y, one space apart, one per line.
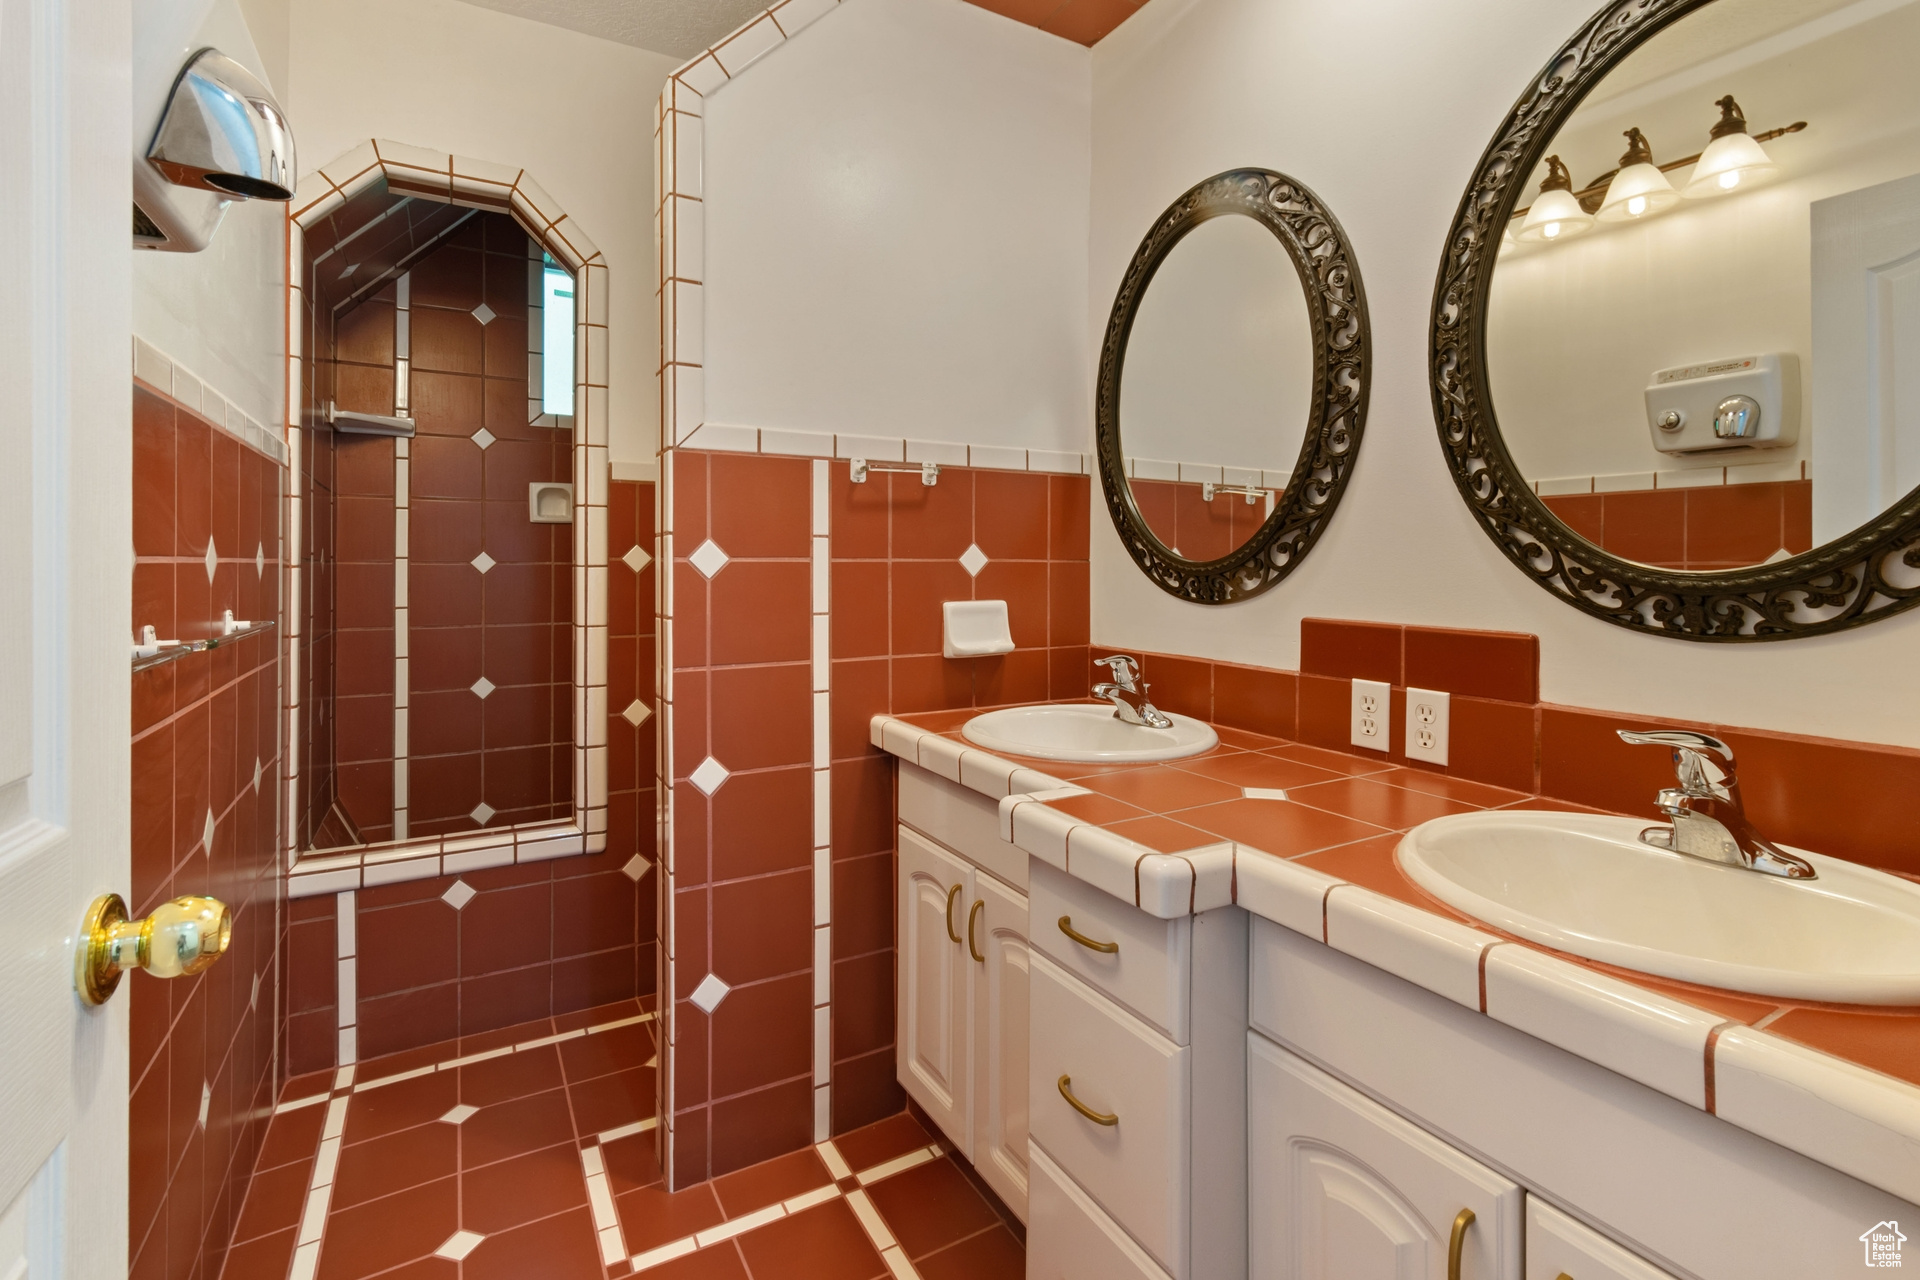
1559 1246
1151 964
932 1052
998 932
1340 1188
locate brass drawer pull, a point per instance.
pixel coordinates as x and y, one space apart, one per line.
972 946
1098 1117
1104 948
1461 1221
951 895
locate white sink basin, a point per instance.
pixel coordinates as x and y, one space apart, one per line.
1584 883
1088 733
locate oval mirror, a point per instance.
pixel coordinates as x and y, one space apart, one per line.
1677 343
1232 387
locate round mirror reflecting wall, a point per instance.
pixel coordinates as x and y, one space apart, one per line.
1232 386
1677 338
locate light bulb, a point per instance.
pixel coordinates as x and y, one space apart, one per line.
1639 189
1637 206
1731 159
1556 214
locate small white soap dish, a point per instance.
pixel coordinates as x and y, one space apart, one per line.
976 628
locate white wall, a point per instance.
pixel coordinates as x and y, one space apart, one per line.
221 312
575 111
896 211
1383 108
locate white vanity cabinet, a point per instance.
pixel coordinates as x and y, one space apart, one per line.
1340 1188
1561 1248
962 984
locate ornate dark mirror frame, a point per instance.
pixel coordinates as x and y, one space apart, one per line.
1830 588
1342 369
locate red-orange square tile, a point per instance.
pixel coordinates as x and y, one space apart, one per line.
1162 788
778 1179
862 806
1096 808
1255 698
760 505
1647 525
1797 516
754 1127
918 590
762 717
1373 801
519 1125
1326 711
931 683
1279 827
153 478
1452 788
865 1089
762 1033
1010 514
1350 650
875 1144
1370 864
931 522
1781 774
822 1243
1067 603
1583 513
1159 507
1088 21
991 1255
653 1216
862 905
1023 585
1009 679
1256 769
1067 517
863 1002
1068 675
1180 685
930 1207
859 516
859 604
763 927
562 1245
1583 759
395 1161
761 612
1481 664
1737 523
861 690
1163 834
380 1234
1493 742
521 1189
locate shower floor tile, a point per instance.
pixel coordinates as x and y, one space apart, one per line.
532 1155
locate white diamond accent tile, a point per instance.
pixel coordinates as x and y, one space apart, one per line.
458 1114
708 776
256 773
481 687
637 559
710 993
213 560
483 813
708 558
482 437
206 833
636 867
636 712
206 1102
458 894
482 562
484 313
973 560
459 1245
260 559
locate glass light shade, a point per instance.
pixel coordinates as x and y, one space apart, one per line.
1728 163
1637 191
1556 215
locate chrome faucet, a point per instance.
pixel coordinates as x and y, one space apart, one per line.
1129 700
1709 820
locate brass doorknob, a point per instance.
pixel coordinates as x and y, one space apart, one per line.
180 937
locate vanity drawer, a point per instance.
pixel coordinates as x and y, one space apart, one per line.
1069 1237
1557 1245
1149 974
961 819
1137 1167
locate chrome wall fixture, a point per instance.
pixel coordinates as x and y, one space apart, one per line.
221 133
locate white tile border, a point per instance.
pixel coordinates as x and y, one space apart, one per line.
1684 478
819 502
476 184
170 378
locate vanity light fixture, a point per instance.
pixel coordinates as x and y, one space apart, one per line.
1638 189
1734 158
1556 214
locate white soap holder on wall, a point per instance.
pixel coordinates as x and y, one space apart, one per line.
975 628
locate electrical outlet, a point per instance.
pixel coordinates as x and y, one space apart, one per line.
1372 714
1428 716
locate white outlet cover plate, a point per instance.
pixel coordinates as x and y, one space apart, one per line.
1371 724
1429 720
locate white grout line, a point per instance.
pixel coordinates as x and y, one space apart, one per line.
606 1220
899 1164
870 1220
836 1163
738 1226
313 1218
626 1130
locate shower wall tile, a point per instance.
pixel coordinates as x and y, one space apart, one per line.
204 821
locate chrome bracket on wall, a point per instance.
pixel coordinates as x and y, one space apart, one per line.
859 468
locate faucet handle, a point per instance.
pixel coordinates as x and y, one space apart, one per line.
1690 752
1123 668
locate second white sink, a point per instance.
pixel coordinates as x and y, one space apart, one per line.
1086 733
1584 883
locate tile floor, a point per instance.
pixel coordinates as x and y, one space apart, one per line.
529 1152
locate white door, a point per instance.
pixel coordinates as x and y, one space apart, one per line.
997 948
932 1052
1866 353
66 559
1340 1188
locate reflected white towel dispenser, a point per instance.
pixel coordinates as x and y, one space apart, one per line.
1745 402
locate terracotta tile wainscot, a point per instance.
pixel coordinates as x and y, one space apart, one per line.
1839 1084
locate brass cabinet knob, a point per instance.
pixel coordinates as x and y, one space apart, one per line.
180 937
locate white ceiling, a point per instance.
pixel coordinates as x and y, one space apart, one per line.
681 28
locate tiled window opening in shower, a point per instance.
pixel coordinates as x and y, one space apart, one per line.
452 667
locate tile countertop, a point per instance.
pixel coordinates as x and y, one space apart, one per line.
1837 1083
